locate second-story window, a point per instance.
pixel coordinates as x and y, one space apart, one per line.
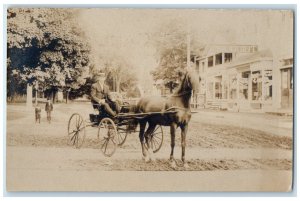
218 58
228 57
210 61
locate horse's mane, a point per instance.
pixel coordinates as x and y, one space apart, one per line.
188 74
178 89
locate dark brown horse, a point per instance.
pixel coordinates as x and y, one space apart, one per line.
179 101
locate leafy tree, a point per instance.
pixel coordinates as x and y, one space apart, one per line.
44 45
171 46
13 82
121 77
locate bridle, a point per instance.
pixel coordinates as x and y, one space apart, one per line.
185 92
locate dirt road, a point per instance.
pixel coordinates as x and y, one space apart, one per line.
220 150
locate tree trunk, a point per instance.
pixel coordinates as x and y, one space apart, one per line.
36 86
36 97
29 96
53 95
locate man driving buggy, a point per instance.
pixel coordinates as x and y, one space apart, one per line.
101 98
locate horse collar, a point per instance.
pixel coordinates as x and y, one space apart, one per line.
181 94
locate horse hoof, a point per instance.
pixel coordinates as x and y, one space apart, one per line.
147 159
173 165
151 155
152 158
186 166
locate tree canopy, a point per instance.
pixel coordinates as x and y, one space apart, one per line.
171 45
45 45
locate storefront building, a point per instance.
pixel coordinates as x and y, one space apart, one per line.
286 83
241 78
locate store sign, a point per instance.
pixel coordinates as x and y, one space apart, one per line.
256 75
268 73
244 80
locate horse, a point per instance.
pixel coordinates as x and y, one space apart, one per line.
179 101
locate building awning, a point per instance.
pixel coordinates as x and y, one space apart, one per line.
253 57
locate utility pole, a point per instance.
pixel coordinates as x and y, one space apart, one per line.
188 41
188 62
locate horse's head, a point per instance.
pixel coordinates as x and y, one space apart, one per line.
190 81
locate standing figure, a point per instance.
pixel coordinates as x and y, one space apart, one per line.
38 114
49 109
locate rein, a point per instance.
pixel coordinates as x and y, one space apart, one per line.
176 108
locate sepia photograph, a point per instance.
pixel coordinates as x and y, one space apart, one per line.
149 100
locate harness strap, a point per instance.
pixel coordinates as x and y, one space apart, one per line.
181 94
164 107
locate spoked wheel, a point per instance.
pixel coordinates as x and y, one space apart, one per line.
157 138
122 132
76 130
107 134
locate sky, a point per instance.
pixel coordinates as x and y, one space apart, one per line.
127 32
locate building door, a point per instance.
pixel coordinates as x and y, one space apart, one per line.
287 88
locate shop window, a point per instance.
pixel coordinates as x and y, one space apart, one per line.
256 85
244 85
218 90
228 57
268 84
225 85
218 58
233 87
287 88
210 61
291 79
202 86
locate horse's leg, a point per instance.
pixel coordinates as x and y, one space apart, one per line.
148 137
184 130
172 132
142 137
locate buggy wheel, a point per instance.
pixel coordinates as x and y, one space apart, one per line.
157 138
107 132
122 132
76 131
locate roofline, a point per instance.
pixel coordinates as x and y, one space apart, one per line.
252 61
